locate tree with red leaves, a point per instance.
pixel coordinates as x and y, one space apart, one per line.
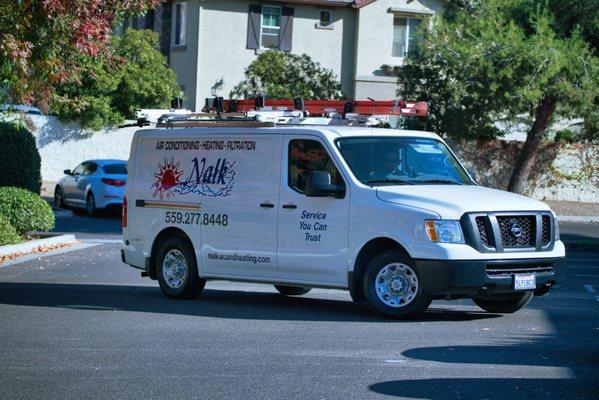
42 40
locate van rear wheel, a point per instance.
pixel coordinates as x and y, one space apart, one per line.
177 271
504 305
391 286
292 290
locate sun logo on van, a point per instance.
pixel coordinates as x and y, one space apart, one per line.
166 178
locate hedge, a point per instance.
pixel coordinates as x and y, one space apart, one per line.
19 159
8 233
25 211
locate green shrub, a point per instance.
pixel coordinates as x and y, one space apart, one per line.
19 159
26 211
8 233
564 136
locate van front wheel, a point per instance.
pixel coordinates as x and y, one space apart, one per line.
292 290
391 286
506 305
177 271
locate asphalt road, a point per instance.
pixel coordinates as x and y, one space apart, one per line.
81 324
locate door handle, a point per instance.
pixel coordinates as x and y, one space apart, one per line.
289 206
267 205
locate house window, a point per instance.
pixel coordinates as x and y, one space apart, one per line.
180 11
326 18
271 27
407 35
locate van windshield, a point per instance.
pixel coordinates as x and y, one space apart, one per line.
402 161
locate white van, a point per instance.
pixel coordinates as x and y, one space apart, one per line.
390 215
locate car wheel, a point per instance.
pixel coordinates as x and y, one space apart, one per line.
59 198
391 286
503 304
177 271
292 290
90 205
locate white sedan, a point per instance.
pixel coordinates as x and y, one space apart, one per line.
92 185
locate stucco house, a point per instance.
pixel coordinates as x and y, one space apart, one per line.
213 41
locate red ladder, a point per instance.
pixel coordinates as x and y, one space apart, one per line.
322 107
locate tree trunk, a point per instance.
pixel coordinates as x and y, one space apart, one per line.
527 156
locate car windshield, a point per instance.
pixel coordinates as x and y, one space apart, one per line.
115 169
402 161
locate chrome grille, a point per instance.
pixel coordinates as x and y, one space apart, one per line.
546 231
511 237
508 269
482 231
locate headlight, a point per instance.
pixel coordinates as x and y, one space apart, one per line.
556 228
444 231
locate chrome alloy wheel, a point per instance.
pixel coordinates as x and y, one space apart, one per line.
396 285
174 269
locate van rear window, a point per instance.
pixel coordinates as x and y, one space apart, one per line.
115 169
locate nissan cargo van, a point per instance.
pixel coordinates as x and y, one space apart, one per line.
390 215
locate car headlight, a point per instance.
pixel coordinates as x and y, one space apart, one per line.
556 228
444 231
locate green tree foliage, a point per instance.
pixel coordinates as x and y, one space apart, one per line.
19 159
498 59
41 42
278 74
134 74
26 211
146 80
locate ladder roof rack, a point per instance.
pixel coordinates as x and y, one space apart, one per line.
261 113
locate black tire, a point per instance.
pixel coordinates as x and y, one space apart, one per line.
414 307
90 205
292 290
504 305
192 285
59 198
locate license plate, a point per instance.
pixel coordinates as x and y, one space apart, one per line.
525 282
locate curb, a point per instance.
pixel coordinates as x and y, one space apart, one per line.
578 218
27 247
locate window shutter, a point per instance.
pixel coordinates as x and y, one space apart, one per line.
253 41
286 29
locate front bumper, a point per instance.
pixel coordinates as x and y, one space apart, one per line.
466 278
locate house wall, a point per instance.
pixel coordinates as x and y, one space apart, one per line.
375 43
223 54
184 59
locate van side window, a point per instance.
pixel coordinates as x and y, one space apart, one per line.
306 156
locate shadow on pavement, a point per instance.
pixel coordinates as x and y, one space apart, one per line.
105 224
212 303
538 352
489 388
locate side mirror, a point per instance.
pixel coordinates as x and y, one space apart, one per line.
67 172
472 174
319 185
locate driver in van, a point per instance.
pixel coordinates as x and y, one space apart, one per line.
391 166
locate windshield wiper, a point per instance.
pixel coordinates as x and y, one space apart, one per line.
449 181
400 181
